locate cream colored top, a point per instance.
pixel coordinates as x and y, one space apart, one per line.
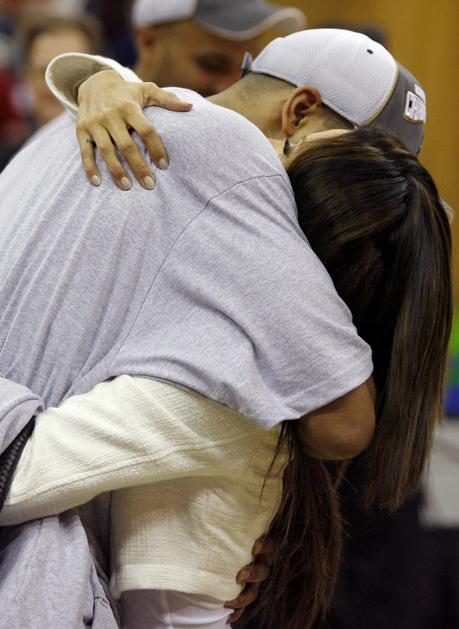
188 474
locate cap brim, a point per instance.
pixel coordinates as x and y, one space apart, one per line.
407 128
252 21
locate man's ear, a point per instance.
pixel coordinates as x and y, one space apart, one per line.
146 37
305 101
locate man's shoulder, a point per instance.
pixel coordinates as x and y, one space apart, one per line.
216 135
222 120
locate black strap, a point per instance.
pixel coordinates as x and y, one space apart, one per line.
9 459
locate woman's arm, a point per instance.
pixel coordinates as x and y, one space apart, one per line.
107 100
66 72
125 432
132 431
119 434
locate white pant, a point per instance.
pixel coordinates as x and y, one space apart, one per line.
165 609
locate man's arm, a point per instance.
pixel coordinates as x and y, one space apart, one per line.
108 100
342 429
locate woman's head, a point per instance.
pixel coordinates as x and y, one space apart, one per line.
372 214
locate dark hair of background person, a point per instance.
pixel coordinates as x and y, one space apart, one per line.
40 36
38 23
372 214
115 18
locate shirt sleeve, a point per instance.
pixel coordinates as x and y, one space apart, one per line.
67 71
126 432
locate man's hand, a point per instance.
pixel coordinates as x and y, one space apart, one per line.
251 576
109 109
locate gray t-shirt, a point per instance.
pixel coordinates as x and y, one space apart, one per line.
206 282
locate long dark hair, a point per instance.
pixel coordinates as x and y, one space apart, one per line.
372 214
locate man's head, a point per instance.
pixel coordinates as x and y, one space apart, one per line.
43 38
200 44
330 78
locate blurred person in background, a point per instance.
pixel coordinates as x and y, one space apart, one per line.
117 31
13 11
189 43
13 123
200 45
41 38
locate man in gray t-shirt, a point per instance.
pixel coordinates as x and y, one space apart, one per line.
207 282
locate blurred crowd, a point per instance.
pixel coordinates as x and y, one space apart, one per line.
400 571
32 32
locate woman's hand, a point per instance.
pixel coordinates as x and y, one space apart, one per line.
251 576
109 108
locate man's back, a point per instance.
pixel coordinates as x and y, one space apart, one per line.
77 262
192 283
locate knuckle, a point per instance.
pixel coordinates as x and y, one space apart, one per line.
127 147
92 121
126 107
86 148
101 121
156 150
106 115
117 172
148 132
151 88
142 173
87 157
105 150
140 167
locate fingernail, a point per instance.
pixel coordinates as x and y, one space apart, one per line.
125 183
95 180
163 164
149 183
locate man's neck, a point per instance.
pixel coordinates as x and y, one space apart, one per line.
234 100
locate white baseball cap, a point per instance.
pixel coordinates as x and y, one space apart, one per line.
229 19
357 77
